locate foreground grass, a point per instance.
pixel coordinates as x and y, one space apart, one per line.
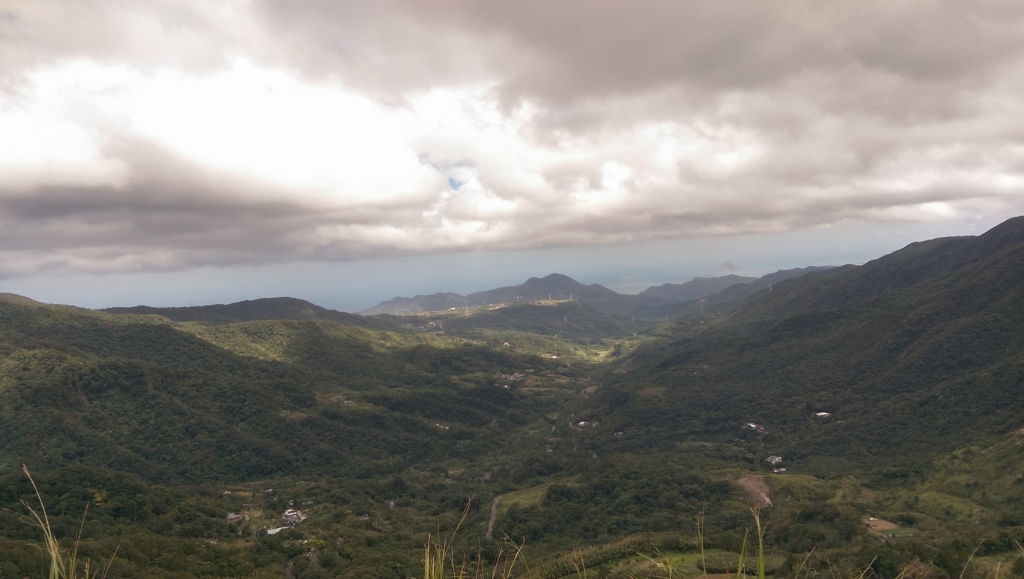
64 562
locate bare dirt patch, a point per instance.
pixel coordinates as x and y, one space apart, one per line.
756 488
880 524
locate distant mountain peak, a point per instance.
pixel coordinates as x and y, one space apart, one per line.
649 303
696 288
556 286
1007 233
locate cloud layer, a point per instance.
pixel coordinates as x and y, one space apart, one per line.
153 136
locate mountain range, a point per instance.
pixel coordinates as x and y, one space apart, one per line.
916 352
652 303
261 309
874 413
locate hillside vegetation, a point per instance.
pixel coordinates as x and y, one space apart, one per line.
261 309
917 352
654 303
892 393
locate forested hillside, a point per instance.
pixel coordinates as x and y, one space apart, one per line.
892 395
654 303
261 309
919 351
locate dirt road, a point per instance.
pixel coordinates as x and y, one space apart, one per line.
494 515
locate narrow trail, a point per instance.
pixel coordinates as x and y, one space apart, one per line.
494 515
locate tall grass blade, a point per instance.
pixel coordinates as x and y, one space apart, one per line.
579 564
516 557
760 542
57 563
665 563
64 563
969 559
439 558
868 568
804 562
741 571
700 537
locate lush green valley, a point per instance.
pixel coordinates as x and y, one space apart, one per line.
893 393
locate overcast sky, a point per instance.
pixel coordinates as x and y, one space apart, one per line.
174 152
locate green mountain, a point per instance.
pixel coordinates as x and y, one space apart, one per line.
651 304
400 306
149 422
573 320
710 291
694 289
261 309
191 403
554 287
893 393
916 353
551 287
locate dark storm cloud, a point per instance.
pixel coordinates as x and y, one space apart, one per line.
152 227
590 49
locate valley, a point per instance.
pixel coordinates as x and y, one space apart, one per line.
598 426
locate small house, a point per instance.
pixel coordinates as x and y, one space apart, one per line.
293 516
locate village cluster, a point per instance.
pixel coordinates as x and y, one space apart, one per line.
775 460
292 516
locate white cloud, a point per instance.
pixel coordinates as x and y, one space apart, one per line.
171 135
259 125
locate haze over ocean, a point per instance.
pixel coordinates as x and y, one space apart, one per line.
359 284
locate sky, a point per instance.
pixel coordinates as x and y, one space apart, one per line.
182 152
